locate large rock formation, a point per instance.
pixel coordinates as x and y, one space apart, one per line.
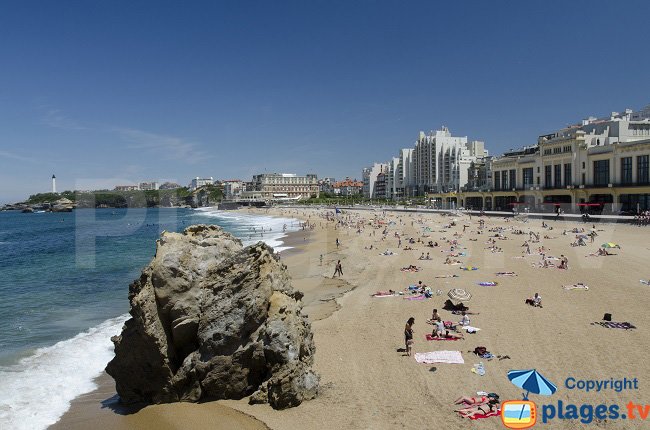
214 320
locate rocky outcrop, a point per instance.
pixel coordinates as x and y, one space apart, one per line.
214 320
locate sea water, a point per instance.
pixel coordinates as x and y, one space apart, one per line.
64 281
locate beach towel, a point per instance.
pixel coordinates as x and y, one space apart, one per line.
449 357
506 274
448 276
468 268
575 287
419 297
487 284
429 337
385 295
488 415
613 324
470 329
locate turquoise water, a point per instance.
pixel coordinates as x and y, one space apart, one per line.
64 282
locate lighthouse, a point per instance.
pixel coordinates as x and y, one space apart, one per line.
53 184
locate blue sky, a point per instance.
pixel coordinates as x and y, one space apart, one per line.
108 92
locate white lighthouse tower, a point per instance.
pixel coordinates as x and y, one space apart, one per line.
53 184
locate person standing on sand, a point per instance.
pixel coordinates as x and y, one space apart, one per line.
338 269
408 335
337 243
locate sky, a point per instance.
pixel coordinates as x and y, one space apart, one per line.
103 93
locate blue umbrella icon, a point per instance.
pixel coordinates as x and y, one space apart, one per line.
533 382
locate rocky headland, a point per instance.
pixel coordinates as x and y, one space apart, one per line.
211 319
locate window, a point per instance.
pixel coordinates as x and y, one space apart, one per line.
513 178
547 152
601 172
558 175
626 170
567 175
504 179
497 181
583 179
547 177
642 174
583 164
528 177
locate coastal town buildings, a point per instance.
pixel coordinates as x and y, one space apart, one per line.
126 188
439 162
148 186
348 188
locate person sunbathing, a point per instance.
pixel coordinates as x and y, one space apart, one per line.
483 409
476 400
506 274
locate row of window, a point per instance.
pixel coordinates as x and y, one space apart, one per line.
557 150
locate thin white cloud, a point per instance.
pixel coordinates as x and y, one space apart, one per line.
56 119
12 156
170 147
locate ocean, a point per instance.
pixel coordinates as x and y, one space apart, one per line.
64 282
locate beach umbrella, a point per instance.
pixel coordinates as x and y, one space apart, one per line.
533 382
609 245
459 294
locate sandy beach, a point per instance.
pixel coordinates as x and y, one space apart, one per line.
367 383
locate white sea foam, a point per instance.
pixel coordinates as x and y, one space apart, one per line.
36 392
242 224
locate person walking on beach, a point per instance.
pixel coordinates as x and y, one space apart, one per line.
408 335
338 269
337 243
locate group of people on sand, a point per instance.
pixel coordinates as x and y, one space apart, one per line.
423 257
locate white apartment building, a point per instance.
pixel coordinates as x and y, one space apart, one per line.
369 178
232 189
441 161
148 186
200 182
286 185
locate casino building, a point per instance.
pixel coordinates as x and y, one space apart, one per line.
600 162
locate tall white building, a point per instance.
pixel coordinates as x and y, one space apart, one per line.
369 177
441 161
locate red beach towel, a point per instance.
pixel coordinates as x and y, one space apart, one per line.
488 415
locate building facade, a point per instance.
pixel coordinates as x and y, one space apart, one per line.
286 185
369 177
600 161
348 188
232 189
200 182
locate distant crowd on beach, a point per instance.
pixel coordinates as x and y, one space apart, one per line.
642 219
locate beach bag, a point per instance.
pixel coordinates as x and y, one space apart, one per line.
449 324
607 317
480 350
